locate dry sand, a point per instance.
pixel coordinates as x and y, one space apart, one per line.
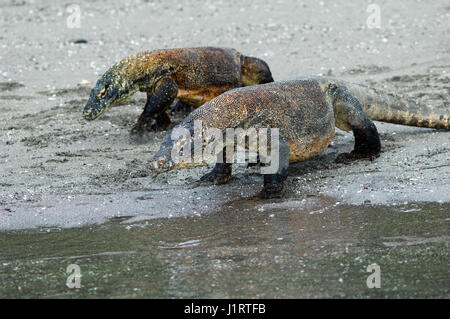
59 170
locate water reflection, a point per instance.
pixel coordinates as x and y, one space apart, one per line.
316 247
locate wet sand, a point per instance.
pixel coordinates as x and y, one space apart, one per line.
59 170
243 251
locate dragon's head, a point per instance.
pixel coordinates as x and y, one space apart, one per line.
162 160
111 89
177 150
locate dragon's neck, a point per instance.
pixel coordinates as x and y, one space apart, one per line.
138 69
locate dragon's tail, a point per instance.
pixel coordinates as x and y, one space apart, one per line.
386 107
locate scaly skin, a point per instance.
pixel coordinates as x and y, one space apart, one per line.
386 107
306 112
192 75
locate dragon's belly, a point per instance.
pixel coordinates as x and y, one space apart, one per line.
302 151
197 97
309 143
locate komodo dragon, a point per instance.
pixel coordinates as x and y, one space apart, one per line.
305 111
192 75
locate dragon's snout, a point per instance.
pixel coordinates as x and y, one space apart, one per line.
158 163
87 113
94 109
161 164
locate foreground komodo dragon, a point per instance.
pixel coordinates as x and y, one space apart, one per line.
305 111
192 75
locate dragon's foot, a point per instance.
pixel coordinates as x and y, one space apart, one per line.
148 124
347 158
271 191
138 129
217 176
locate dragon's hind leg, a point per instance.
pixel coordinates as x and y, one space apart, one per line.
350 116
254 71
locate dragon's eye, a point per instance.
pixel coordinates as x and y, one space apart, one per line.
102 93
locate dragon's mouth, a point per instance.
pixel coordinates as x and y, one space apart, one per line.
87 114
92 113
160 165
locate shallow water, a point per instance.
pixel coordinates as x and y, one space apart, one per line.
288 249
